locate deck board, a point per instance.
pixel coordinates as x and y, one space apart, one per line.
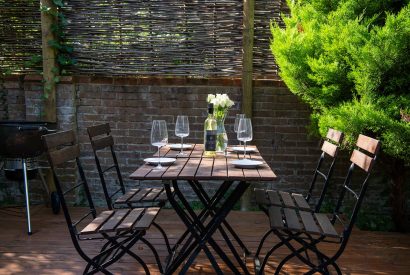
50 251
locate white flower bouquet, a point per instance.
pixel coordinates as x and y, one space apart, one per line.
221 103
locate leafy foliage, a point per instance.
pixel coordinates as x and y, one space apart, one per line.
349 60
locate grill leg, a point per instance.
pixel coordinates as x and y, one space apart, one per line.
27 197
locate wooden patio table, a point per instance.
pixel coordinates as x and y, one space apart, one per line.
193 169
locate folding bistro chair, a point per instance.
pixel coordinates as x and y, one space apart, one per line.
102 140
308 229
329 149
120 229
324 169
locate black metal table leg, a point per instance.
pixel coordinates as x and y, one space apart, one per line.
199 232
171 268
225 223
206 201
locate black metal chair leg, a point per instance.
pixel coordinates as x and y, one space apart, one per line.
337 268
164 235
262 242
154 251
265 260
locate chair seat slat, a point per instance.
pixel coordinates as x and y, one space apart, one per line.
151 196
274 197
275 217
309 222
301 202
260 196
140 195
92 227
130 220
163 196
287 199
292 219
147 219
114 221
129 194
326 225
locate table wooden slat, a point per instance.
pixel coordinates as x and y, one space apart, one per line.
197 167
141 172
189 170
205 169
173 153
175 169
197 151
156 174
220 169
264 170
233 172
250 174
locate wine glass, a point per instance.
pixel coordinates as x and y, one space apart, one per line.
245 132
237 119
159 138
182 130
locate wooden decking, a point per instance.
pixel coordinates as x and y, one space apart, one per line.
50 251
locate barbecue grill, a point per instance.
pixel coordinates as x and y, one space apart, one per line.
20 147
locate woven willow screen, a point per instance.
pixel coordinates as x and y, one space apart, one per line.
20 34
198 38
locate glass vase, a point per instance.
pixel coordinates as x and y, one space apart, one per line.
221 136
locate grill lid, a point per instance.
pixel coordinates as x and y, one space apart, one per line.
22 139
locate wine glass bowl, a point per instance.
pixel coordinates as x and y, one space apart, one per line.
182 130
245 132
159 138
237 119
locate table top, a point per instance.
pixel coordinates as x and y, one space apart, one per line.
195 167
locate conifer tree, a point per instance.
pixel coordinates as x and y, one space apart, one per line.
350 61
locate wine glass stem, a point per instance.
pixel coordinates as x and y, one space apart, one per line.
244 149
182 146
159 166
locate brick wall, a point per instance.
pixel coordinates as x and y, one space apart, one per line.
129 105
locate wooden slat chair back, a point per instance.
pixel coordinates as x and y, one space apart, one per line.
101 139
128 226
362 160
329 150
309 229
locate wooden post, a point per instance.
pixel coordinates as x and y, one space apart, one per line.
49 61
247 72
247 48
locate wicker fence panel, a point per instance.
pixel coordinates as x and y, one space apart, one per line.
266 12
165 37
20 34
197 38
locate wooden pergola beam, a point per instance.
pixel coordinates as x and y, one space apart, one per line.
247 48
49 62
